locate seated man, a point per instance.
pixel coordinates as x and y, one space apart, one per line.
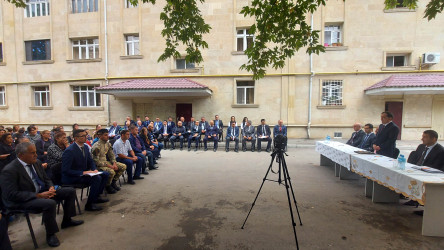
211 133
113 133
139 148
194 136
280 129
263 133
139 125
369 138
165 132
43 144
146 122
158 146
232 135
357 136
248 134
105 160
33 134
178 133
430 153
170 123
125 154
157 125
203 124
24 185
219 124
77 165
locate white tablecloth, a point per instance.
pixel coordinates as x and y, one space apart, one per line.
337 152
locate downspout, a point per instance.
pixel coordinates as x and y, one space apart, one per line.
310 86
106 59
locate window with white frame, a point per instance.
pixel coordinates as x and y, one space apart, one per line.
332 92
245 92
86 96
183 64
128 4
80 6
2 96
244 39
333 35
132 45
41 96
37 8
85 48
396 60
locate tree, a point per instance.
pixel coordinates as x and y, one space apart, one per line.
281 29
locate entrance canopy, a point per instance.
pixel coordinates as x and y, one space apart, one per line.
408 85
155 87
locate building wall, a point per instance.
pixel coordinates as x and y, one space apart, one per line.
369 33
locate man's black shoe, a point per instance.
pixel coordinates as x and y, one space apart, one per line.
245 150
110 190
114 185
52 240
181 149
153 168
268 150
236 150
138 178
71 223
171 149
215 149
92 207
101 200
252 150
195 149
420 212
226 150
259 150
131 182
189 149
145 173
206 149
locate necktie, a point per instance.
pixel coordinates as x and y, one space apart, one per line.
421 160
232 132
83 151
353 137
38 183
263 130
165 130
280 129
365 140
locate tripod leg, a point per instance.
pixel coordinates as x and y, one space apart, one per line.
258 192
291 187
286 180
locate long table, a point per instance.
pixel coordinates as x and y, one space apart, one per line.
385 182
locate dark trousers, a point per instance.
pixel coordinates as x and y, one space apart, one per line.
229 139
195 139
155 151
244 143
97 184
173 139
5 244
150 157
213 138
259 140
129 167
142 159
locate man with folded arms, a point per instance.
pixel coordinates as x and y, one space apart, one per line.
78 168
25 186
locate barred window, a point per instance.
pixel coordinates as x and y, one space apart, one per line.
245 92
331 92
244 39
37 8
79 6
41 96
2 96
85 48
86 96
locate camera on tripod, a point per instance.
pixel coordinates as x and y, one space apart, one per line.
280 142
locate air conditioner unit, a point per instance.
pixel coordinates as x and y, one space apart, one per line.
431 58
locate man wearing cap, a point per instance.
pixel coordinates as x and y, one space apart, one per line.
105 160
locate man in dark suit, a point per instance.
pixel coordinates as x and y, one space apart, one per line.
164 132
24 185
280 129
146 122
157 125
78 167
194 135
385 142
430 153
219 124
139 149
178 133
357 136
232 135
369 138
203 124
263 133
171 123
114 132
211 133
248 134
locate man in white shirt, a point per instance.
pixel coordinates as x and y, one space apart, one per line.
125 154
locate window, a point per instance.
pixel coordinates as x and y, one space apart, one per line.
38 50
79 6
2 96
85 49
331 92
85 96
396 60
244 39
245 92
1 52
183 64
129 5
37 8
41 96
332 35
132 45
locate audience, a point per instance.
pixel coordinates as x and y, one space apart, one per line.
125 154
150 146
233 120
165 132
7 150
357 136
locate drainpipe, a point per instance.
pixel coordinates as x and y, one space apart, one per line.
106 59
310 87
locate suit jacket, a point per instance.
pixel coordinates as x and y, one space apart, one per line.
368 144
157 125
132 141
16 185
230 130
249 131
435 158
210 131
277 132
259 130
74 163
205 125
386 139
162 130
221 124
193 130
357 140
171 124
179 130
146 123
116 130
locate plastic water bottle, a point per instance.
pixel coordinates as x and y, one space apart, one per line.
327 139
401 162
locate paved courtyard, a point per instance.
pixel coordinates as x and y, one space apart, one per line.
199 200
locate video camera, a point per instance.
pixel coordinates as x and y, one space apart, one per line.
280 142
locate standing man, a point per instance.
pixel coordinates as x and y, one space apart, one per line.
430 153
232 135
385 142
125 154
248 134
77 165
357 136
194 136
211 133
220 125
178 132
369 138
105 160
263 134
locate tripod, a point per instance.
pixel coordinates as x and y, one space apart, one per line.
279 155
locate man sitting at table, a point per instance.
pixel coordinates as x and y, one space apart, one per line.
357 136
385 142
369 138
430 153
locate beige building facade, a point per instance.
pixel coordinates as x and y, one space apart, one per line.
54 54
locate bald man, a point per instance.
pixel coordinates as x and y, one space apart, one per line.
280 129
357 136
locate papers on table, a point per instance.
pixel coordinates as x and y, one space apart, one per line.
429 170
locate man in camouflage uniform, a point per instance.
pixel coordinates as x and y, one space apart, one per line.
103 156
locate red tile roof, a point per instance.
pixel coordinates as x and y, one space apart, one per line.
401 80
155 83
